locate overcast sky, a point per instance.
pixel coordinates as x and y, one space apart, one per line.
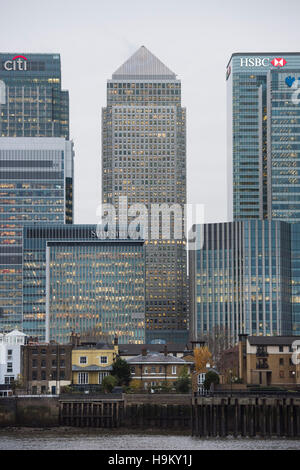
194 38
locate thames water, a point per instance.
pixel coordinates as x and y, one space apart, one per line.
95 439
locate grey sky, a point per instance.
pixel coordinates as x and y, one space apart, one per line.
193 38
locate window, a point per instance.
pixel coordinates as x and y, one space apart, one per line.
62 375
62 363
101 376
281 361
280 348
8 380
132 370
9 367
34 375
146 370
173 370
153 370
43 363
43 375
83 360
9 354
83 378
281 374
103 359
34 363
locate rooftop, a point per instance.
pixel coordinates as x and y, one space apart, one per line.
142 65
155 357
272 340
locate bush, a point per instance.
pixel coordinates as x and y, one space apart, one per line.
211 377
121 371
108 383
183 383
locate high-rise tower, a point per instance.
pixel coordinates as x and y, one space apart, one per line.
263 136
36 168
144 159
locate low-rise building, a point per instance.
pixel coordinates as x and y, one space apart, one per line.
269 361
46 367
91 363
10 359
153 369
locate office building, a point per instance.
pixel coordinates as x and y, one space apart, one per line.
240 278
75 281
263 143
36 186
32 102
36 161
144 160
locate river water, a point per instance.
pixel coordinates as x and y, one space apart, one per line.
95 439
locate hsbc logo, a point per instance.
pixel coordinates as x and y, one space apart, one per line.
19 62
278 62
262 62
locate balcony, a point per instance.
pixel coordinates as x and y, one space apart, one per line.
262 353
262 365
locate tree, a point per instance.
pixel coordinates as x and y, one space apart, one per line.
121 371
211 377
202 357
108 383
183 383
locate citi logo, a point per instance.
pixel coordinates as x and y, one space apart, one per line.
278 62
19 62
262 62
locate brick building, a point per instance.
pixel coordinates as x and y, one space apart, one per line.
269 361
46 367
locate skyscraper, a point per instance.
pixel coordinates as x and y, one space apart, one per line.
83 281
36 161
263 136
240 279
144 159
35 187
33 103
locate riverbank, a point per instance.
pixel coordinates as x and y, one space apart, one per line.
65 438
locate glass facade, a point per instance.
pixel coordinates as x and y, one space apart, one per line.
94 285
144 159
263 136
241 279
34 104
36 164
35 187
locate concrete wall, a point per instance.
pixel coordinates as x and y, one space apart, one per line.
29 411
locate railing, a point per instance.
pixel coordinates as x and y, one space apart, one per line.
256 392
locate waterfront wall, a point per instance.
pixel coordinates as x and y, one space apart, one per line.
201 416
247 416
29 411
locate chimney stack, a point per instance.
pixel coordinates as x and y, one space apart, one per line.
144 352
165 350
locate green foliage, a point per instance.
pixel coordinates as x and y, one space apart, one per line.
108 383
121 371
211 377
183 383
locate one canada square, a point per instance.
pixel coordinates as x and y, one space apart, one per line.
144 161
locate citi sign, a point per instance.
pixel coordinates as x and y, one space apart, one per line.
259 62
19 62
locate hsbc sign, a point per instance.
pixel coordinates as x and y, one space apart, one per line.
262 62
19 62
